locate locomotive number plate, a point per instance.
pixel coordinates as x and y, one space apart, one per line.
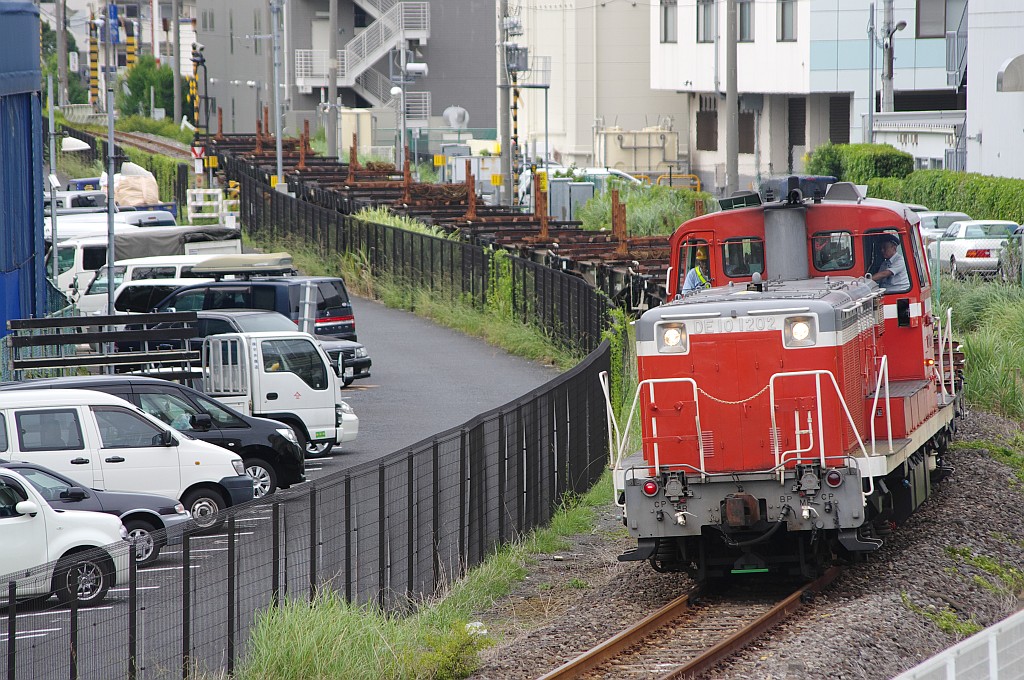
746 324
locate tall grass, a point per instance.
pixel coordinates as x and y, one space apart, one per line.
988 319
650 210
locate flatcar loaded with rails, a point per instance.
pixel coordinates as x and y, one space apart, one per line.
795 410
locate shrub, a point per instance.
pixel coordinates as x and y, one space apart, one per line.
859 163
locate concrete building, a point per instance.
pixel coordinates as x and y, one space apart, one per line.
600 85
803 75
454 38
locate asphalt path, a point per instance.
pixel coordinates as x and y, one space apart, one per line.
424 379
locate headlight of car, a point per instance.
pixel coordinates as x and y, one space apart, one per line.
343 407
799 331
178 509
238 465
124 533
361 353
288 434
672 338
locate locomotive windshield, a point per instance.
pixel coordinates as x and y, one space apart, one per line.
832 251
743 256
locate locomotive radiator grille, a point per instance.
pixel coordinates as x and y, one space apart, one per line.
707 442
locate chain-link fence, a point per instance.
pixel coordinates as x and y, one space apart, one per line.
990 251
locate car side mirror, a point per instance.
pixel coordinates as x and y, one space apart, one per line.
201 422
165 438
27 508
73 493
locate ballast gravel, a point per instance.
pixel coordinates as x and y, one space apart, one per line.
876 621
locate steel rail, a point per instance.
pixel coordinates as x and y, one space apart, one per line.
743 637
624 640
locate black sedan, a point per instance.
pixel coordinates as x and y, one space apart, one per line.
143 514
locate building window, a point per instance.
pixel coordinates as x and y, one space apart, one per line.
745 20
746 132
360 19
785 29
669 21
707 123
706 21
931 18
839 119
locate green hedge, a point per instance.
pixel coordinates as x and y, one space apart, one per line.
980 196
859 163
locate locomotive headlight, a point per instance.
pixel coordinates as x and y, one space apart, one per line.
799 331
672 338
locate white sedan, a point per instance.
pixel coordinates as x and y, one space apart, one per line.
971 246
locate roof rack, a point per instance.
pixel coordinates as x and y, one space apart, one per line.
248 264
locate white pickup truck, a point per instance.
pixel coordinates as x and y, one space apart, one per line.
72 553
285 376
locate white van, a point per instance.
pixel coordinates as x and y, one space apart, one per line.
94 301
73 554
108 443
81 225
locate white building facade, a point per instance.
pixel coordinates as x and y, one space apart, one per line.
802 72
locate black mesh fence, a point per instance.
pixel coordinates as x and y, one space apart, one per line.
389 532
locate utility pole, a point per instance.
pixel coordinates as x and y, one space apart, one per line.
732 108
887 55
332 80
869 133
503 105
176 58
276 7
62 54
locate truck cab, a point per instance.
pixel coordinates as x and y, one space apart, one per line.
285 376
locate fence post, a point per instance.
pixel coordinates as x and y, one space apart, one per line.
133 614
381 537
231 595
73 642
348 538
275 555
463 519
410 518
186 604
312 543
436 510
502 458
12 627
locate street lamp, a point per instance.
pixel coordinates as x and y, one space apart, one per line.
887 66
397 91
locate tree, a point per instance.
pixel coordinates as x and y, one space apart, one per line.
133 95
77 93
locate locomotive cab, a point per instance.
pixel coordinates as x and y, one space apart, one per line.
790 407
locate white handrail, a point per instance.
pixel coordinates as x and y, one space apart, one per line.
883 372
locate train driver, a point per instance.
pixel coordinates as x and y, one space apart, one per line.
700 276
892 274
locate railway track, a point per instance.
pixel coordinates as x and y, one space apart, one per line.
150 145
691 634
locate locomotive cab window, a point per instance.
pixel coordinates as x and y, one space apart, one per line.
689 252
742 257
886 253
832 251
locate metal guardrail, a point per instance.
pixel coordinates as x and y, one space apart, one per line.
995 652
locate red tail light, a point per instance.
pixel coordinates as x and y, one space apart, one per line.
980 252
833 478
335 319
650 488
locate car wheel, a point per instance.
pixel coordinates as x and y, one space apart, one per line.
312 449
205 505
86 577
264 477
140 534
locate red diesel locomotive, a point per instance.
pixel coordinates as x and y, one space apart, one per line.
795 408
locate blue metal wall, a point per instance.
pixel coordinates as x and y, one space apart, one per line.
21 165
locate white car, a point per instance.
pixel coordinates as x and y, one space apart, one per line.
971 246
108 443
132 297
74 554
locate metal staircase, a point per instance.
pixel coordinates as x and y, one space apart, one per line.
400 23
